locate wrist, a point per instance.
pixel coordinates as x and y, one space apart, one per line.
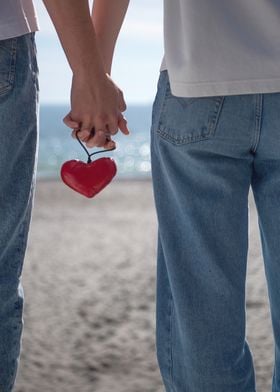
87 71
90 66
90 80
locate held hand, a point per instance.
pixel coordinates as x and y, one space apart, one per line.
96 110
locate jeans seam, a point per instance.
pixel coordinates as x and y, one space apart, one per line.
258 120
12 68
170 339
13 62
214 120
164 96
35 67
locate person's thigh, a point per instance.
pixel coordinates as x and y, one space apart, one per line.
18 159
201 169
266 190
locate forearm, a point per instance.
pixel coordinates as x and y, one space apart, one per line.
108 17
96 101
75 29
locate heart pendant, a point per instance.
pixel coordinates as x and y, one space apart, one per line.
88 178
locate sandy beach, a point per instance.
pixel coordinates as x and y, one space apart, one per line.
89 283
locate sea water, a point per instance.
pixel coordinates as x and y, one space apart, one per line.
56 145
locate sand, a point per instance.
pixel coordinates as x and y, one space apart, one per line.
89 283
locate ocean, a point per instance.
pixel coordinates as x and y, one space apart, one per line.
56 145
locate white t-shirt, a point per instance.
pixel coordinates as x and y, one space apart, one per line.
222 47
17 17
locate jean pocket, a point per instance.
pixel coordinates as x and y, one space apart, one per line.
188 119
7 64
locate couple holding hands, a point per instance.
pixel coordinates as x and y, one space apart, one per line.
215 131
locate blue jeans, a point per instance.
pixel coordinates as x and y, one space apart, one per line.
206 152
18 160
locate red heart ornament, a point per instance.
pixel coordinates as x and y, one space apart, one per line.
88 178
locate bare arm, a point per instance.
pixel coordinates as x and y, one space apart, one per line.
95 100
108 17
71 19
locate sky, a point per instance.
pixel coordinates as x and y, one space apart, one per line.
137 58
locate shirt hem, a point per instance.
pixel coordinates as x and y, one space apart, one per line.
202 89
15 30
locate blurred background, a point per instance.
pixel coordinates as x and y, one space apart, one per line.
90 269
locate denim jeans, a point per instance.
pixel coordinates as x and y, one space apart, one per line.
18 161
206 152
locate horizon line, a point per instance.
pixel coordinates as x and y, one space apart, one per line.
63 103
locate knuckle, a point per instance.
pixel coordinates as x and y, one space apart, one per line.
86 122
74 116
113 119
85 127
103 117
